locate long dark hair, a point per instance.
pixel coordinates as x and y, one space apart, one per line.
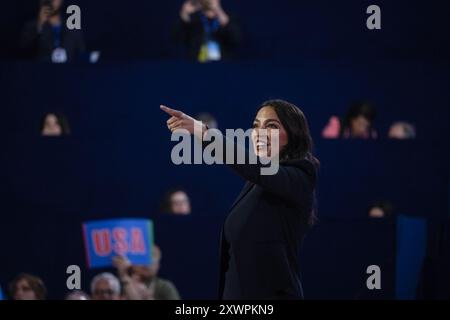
358 109
300 144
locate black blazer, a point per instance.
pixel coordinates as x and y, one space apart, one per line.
262 235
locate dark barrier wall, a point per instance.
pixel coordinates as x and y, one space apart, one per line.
272 28
117 163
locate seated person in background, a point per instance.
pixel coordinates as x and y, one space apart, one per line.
27 287
48 39
54 125
357 123
105 286
177 202
206 31
381 209
141 282
77 295
402 130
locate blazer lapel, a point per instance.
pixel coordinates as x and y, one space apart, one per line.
248 186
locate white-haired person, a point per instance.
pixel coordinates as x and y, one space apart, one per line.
105 286
402 130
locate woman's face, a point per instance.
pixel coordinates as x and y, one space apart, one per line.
51 126
267 119
360 127
24 291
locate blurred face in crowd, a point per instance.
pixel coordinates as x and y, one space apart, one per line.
104 291
376 212
23 291
360 127
208 119
267 119
51 127
179 203
55 6
397 131
77 295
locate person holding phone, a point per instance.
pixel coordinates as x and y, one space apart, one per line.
206 32
48 39
262 235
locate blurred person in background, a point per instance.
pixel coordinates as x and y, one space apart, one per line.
208 119
176 201
381 209
105 286
27 287
77 295
54 125
402 130
206 32
141 282
48 39
357 123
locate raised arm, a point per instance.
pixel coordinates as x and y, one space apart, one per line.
293 180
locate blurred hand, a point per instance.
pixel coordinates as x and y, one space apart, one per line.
43 16
180 120
216 7
121 263
189 7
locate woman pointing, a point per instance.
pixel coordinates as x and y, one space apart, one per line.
262 235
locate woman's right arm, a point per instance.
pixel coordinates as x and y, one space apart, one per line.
294 182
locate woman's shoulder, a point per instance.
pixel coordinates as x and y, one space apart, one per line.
306 165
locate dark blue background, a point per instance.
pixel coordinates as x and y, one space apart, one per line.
116 163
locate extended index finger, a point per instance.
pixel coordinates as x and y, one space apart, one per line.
172 112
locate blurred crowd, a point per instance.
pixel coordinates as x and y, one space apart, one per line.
204 32
359 123
128 282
